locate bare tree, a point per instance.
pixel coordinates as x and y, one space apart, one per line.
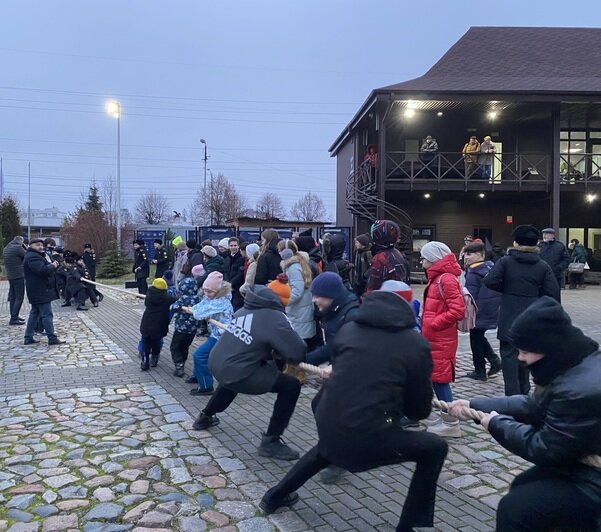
218 203
152 208
309 208
109 200
270 206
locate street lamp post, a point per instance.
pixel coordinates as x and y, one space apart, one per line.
114 109
203 141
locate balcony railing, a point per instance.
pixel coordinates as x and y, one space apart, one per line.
518 169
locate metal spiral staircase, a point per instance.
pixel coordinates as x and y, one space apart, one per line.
362 201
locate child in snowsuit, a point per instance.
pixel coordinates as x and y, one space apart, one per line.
185 324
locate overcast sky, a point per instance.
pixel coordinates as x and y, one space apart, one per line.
268 84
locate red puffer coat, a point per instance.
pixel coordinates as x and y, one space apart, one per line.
440 316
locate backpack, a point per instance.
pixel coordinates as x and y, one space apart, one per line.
468 322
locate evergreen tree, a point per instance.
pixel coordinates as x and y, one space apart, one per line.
9 219
112 265
93 203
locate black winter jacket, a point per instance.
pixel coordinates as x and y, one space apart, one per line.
555 254
89 259
522 277
160 255
557 426
214 264
39 278
141 261
14 254
233 270
255 331
343 309
268 265
335 261
155 320
371 389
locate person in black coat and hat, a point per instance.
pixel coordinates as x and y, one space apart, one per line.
141 267
522 277
558 428
89 259
555 254
359 409
161 260
268 264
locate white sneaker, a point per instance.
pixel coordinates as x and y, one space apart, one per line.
446 429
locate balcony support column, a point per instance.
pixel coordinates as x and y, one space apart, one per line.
555 170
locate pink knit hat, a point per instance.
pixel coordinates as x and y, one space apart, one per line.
214 281
198 270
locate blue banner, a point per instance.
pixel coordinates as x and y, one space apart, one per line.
346 233
148 237
215 235
252 237
191 235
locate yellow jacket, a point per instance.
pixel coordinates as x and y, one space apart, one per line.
469 149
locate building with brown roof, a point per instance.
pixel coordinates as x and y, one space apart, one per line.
535 91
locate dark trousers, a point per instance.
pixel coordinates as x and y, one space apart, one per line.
427 450
43 313
481 350
544 499
515 375
286 387
576 279
180 344
16 293
151 346
142 285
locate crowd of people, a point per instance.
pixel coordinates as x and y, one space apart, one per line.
265 307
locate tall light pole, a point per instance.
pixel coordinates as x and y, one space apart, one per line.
203 141
113 108
28 201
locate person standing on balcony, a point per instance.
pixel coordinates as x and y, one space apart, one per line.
555 254
429 150
371 155
470 156
487 153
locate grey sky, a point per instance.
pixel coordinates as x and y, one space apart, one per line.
268 84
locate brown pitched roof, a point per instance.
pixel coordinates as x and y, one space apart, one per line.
502 59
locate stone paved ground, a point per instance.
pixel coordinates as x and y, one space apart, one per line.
88 442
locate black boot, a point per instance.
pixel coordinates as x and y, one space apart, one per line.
204 422
269 505
495 367
81 307
179 370
145 364
274 447
154 360
477 375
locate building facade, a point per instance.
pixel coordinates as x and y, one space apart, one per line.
539 99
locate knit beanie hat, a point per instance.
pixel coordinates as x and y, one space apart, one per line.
434 251
251 249
159 284
198 270
286 254
209 251
214 281
545 328
305 243
168 276
363 239
281 288
224 243
399 288
327 284
191 244
526 235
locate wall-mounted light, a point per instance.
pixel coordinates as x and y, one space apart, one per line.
439 113
591 197
492 115
409 113
427 195
481 195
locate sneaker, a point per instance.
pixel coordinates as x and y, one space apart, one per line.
81 307
145 364
274 447
179 370
30 341
16 322
331 474
268 505
204 422
154 361
191 380
95 304
67 304
202 391
56 341
477 376
495 367
447 428
411 425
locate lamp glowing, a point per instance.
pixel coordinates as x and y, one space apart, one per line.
113 108
409 113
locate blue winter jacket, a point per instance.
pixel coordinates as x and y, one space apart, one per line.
487 300
219 308
186 323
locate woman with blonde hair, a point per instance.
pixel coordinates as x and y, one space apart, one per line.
268 265
252 252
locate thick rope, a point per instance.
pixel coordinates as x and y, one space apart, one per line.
471 413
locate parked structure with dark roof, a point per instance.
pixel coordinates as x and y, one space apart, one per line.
538 95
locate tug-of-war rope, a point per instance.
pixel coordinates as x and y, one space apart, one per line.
466 411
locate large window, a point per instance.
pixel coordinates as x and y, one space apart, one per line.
572 148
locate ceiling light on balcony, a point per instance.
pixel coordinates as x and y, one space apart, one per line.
575 150
439 113
492 115
591 197
427 195
409 113
481 195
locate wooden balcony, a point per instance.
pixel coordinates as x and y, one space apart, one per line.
507 171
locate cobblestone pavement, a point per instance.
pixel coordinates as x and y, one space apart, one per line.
88 442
